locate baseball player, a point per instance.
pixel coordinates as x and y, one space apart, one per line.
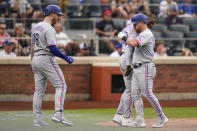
144 70
123 113
44 66
125 106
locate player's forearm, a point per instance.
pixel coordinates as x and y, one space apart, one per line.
132 42
129 54
55 51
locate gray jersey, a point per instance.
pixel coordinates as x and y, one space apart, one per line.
145 51
43 35
130 31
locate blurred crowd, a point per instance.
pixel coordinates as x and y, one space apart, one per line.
22 11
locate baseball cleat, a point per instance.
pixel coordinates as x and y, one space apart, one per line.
160 123
127 122
117 119
137 125
62 120
40 123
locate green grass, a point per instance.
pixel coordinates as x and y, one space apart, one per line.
83 119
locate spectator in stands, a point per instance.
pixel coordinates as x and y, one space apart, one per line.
106 30
37 8
114 9
139 6
23 40
117 53
63 5
7 49
187 52
3 34
20 8
160 49
61 37
72 49
84 50
123 9
165 6
3 8
187 10
173 18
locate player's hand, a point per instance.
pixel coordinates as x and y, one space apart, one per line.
70 60
122 36
128 70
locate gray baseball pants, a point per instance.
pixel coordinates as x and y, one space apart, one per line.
45 68
142 83
125 106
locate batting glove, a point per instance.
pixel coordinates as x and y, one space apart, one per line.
70 60
122 36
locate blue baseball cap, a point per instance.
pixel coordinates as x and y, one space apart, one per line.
139 18
119 45
52 9
7 42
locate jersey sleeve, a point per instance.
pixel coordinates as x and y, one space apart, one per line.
51 37
142 39
129 54
32 39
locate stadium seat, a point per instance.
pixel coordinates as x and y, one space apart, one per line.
81 24
156 1
73 9
119 24
191 44
93 8
179 28
160 21
154 9
189 22
174 46
48 2
194 27
157 34
159 27
10 23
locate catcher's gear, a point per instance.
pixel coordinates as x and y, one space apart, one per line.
52 9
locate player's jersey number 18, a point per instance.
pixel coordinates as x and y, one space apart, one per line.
36 38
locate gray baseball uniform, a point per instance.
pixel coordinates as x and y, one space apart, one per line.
142 80
125 106
45 68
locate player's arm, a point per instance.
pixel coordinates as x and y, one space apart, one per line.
129 56
129 41
55 51
32 51
51 42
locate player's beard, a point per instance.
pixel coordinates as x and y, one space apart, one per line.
54 21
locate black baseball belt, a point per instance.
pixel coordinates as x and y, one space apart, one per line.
137 65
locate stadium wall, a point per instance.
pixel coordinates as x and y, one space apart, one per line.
89 78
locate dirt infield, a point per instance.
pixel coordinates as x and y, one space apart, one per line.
8 106
174 124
